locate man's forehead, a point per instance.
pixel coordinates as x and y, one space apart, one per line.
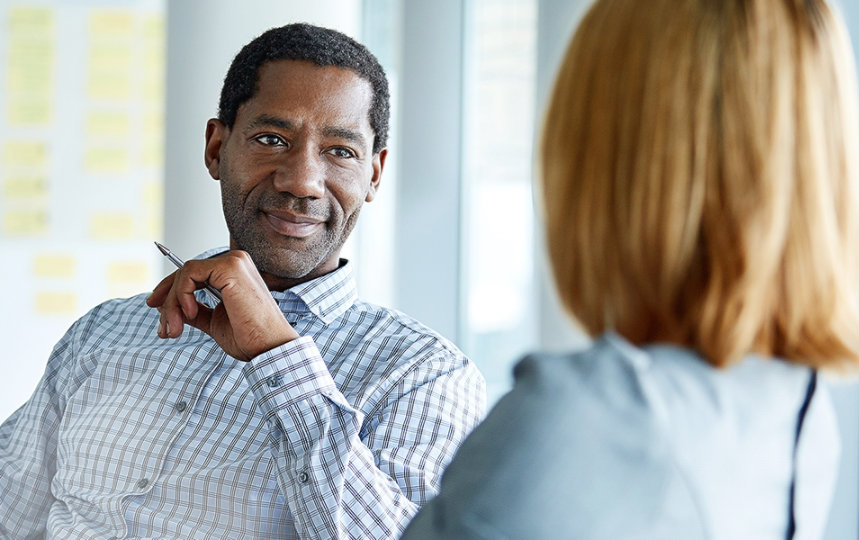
334 76
299 83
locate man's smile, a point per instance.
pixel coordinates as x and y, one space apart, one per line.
293 225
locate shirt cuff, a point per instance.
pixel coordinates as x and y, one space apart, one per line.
290 373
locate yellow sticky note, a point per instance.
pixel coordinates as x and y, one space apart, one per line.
128 272
29 112
109 58
23 52
25 187
25 154
152 154
106 160
153 200
27 77
108 123
111 226
154 225
153 124
27 82
54 265
153 193
154 63
30 69
109 85
153 28
56 303
154 89
25 222
110 23
31 21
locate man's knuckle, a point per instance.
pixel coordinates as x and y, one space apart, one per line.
243 256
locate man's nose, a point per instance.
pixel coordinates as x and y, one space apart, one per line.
301 173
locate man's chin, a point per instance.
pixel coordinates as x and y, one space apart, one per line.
289 261
281 271
285 273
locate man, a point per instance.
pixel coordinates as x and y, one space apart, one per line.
287 410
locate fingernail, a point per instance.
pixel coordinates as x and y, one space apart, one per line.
160 329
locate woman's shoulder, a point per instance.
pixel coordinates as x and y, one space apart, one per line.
610 374
659 378
617 440
688 422
576 432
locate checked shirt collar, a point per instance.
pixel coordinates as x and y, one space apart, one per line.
328 297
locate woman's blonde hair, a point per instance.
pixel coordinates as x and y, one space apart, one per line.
699 178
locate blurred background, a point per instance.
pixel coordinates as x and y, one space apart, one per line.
103 105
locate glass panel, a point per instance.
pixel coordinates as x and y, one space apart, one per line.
498 212
371 246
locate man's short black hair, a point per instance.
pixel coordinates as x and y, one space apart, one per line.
323 47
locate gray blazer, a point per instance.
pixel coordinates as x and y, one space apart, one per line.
619 442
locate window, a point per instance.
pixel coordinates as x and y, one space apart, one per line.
498 212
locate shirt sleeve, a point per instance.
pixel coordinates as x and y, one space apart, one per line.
347 476
28 443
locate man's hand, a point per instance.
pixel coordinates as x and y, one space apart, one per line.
245 324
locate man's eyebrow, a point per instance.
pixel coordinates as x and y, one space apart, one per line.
344 133
267 120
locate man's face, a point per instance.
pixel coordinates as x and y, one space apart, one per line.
295 168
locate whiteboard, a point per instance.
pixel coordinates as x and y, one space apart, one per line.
81 169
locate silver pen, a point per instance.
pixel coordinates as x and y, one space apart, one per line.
180 263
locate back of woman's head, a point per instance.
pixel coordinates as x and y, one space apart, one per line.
699 177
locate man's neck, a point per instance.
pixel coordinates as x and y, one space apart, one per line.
281 283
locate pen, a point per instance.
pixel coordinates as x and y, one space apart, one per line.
180 263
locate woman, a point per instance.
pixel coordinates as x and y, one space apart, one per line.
699 182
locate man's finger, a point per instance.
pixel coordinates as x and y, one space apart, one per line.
172 315
156 298
203 320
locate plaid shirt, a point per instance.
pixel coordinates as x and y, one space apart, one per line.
341 433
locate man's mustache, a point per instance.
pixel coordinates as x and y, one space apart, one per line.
300 206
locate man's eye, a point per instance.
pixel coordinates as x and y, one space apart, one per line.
270 140
341 152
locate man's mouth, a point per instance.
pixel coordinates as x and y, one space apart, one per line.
292 225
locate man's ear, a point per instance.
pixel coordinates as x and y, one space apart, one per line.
216 135
378 165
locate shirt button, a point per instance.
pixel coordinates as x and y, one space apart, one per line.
274 381
143 483
303 477
181 406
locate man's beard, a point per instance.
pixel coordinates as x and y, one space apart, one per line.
304 255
